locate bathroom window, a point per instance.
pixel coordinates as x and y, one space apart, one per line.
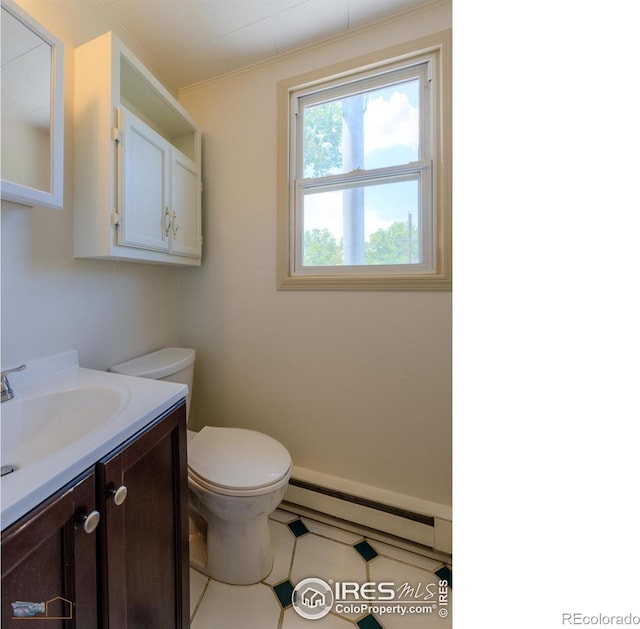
365 202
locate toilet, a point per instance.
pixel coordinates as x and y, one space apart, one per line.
237 478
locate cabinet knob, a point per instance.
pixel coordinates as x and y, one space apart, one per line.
119 495
90 522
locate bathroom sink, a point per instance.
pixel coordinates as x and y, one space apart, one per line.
63 419
35 427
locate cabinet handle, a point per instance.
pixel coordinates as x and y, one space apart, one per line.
174 223
166 222
119 495
90 522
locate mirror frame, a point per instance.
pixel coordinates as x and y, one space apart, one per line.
26 195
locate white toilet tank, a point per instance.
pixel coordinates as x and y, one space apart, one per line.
174 364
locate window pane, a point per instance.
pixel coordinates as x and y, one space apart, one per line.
374 129
362 225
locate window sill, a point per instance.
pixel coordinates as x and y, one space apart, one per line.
413 282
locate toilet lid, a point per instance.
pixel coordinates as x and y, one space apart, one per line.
156 365
236 458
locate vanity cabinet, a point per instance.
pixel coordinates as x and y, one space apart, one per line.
144 544
138 189
47 557
133 570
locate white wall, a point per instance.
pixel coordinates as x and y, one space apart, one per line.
356 385
51 302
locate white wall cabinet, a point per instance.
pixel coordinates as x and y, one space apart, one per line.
159 192
185 234
138 163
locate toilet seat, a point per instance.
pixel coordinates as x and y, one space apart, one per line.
237 461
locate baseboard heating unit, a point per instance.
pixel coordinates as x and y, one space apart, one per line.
365 507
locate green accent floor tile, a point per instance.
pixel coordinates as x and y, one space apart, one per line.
284 591
445 574
298 528
369 622
365 550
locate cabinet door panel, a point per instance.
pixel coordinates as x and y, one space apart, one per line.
48 558
145 554
185 201
144 203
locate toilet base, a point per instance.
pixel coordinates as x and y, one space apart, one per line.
238 553
197 541
235 532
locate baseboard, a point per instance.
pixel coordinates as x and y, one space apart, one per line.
424 523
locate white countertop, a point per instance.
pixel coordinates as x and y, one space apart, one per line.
142 401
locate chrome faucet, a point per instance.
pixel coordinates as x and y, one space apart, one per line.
5 387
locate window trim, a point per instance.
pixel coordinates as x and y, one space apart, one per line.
371 277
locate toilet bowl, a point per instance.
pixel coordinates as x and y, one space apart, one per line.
237 478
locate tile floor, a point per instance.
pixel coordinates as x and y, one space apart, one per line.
306 548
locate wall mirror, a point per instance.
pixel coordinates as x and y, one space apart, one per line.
32 111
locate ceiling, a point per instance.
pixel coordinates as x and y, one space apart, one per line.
195 40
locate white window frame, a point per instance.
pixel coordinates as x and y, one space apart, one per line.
428 59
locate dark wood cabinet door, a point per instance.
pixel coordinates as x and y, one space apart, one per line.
144 545
48 558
